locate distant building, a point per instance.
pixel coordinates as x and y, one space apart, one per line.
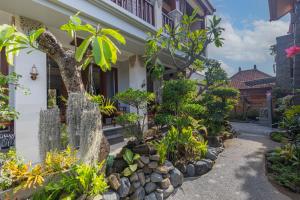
253 85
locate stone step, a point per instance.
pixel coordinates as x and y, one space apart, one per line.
115 138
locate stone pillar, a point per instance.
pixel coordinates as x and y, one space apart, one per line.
157 4
296 81
176 14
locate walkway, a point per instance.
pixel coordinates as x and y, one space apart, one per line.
238 173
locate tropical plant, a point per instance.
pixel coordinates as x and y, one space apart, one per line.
105 105
97 47
139 100
181 146
191 43
130 159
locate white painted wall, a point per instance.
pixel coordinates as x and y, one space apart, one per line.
29 106
137 74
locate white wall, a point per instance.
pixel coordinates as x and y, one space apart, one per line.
137 73
29 106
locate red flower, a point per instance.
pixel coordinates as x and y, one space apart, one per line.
292 51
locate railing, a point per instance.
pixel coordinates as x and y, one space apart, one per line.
140 8
166 20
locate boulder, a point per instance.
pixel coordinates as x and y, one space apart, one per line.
151 196
134 177
111 195
165 183
154 157
147 170
190 170
140 164
150 187
114 181
168 191
148 179
162 169
211 154
139 194
124 189
181 167
159 195
169 165
136 184
153 164
209 162
156 177
145 159
176 177
142 178
201 167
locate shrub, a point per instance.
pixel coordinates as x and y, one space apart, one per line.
181 146
130 159
278 136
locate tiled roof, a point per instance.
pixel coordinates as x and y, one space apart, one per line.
253 78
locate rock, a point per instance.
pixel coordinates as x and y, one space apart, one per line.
139 194
147 170
151 196
82 197
97 197
134 177
148 179
124 189
119 165
159 195
140 164
166 175
190 170
114 181
153 165
168 191
111 195
169 165
212 155
142 178
136 185
142 149
201 167
104 149
176 177
162 169
150 187
154 157
209 162
145 159
156 177
181 167
165 183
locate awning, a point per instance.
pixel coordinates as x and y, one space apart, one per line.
279 8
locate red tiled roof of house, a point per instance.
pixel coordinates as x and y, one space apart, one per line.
240 79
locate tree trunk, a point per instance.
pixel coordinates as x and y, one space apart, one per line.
68 66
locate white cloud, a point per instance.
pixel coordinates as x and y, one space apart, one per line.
248 44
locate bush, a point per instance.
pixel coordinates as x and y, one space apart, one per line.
278 137
181 146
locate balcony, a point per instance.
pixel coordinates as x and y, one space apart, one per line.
166 20
140 8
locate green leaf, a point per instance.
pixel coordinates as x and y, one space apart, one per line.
133 167
136 157
75 19
96 50
86 63
128 156
35 35
115 34
100 51
80 51
127 171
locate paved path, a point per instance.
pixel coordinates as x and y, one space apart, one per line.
237 175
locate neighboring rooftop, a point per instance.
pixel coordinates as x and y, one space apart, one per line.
251 78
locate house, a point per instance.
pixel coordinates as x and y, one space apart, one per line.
134 19
287 69
254 85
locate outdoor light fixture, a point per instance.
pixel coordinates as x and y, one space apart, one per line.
34 72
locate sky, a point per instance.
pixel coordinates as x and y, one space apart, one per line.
248 35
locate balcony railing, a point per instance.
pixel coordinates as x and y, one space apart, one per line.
167 20
140 8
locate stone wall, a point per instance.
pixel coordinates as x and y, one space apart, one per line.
283 64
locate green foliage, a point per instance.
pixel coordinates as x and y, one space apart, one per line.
105 105
138 99
179 146
130 159
82 179
190 42
278 137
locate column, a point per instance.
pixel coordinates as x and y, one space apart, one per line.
29 106
296 76
157 4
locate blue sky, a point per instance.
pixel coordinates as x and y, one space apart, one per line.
248 34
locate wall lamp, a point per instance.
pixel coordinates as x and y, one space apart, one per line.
34 73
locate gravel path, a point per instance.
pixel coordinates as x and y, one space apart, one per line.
237 175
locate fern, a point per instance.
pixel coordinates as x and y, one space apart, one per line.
105 105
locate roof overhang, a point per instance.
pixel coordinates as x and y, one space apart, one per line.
207 6
279 8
